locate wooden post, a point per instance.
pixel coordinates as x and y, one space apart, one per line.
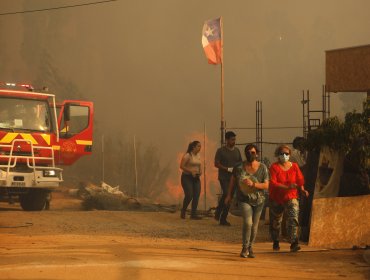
136 190
102 152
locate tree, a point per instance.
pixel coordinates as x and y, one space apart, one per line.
351 138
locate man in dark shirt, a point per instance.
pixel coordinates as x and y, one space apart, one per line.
226 158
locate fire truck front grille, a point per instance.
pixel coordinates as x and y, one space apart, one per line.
18 178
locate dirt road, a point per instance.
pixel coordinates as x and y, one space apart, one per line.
65 243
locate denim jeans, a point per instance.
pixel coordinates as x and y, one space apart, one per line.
251 216
191 187
276 217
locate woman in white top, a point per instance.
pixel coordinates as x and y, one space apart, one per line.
190 179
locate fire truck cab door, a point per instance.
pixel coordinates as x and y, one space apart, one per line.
75 122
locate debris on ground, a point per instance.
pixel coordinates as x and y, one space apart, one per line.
106 197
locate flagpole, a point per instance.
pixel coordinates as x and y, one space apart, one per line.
222 85
204 169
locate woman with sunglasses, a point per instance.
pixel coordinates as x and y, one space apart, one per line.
251 178
286 181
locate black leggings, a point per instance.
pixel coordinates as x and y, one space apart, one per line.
191 186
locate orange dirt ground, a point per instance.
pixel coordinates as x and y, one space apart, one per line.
67 243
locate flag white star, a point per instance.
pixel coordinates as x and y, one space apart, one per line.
209 31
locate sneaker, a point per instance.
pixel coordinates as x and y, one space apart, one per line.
182 214
195 217
276 246
250 253
225 223
244 252
294 247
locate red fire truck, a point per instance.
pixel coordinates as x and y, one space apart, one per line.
36 136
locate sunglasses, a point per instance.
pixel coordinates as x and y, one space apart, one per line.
283 153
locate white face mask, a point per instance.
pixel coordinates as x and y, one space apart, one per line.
283 158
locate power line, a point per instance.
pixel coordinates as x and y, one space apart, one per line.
268 127
264 142
58 8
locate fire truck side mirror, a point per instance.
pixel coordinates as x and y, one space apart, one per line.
67 112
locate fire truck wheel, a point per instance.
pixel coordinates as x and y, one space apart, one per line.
34 200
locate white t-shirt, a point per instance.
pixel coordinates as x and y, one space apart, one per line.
192 162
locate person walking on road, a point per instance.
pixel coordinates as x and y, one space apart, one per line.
285 184
251 178
226 158
190 179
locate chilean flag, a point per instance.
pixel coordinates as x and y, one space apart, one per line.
211 40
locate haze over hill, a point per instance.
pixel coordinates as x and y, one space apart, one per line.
143 65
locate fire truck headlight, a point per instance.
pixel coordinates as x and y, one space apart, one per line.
49 173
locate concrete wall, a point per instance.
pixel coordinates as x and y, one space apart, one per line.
348 70
340 222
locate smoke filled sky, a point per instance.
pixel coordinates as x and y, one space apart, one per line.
143 65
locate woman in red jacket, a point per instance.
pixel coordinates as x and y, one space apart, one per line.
286 181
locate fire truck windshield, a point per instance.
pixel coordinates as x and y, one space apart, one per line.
24 114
